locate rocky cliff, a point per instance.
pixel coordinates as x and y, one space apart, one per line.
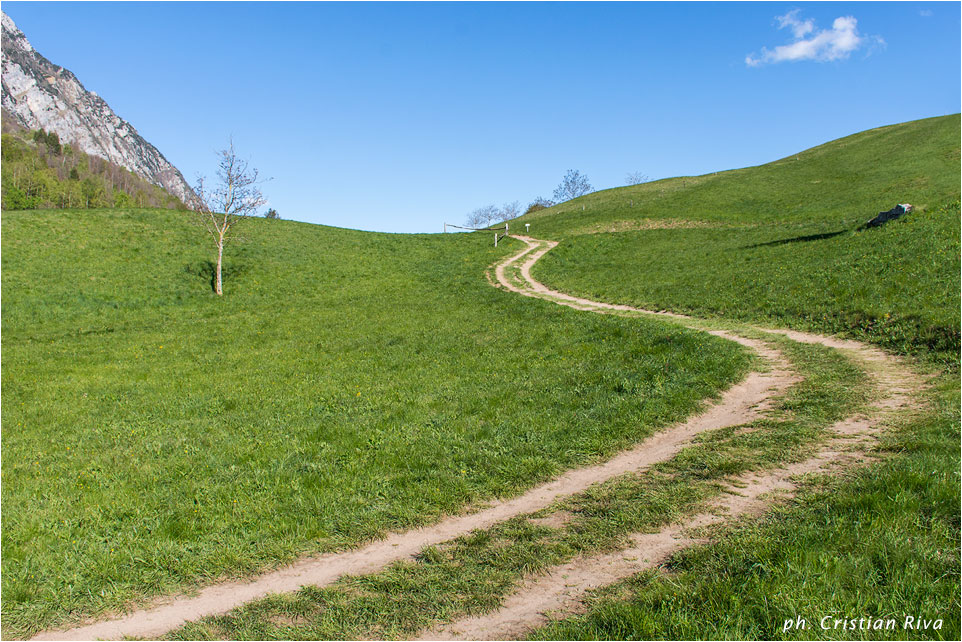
38 94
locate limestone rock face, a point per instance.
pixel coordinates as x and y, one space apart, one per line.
39 94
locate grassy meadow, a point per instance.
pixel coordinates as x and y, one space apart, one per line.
878 542
849 179
473 573
157 437
781 243
896 286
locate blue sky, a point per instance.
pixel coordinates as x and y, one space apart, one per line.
401 116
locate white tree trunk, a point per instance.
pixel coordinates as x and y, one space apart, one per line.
220 257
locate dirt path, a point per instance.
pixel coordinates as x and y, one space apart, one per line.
741 404
888 372
562 589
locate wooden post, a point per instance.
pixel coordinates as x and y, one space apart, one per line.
496 239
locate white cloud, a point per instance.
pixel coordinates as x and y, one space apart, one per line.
799 28
925 13
821 46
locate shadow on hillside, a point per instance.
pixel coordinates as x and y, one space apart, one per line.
798 239
207 271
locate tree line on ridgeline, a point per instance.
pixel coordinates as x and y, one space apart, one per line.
40 172
572 185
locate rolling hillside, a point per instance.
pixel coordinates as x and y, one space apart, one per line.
350 385
847 180
156 436
781 243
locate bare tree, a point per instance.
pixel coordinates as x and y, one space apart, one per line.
491 214
635 178
483 216
573 185
235 196
509 211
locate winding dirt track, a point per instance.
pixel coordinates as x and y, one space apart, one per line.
561 591
740 404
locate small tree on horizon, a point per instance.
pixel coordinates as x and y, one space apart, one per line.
573 185
490 214
271 213
509 211
635 178
235 196
482 217
539 203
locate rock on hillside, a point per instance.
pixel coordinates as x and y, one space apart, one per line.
38 94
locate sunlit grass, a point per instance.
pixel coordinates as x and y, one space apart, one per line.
156 436
782 243
881 542
896 286
786 249
474 573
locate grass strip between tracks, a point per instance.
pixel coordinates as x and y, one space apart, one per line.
473 573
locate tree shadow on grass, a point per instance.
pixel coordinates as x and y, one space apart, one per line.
798 239
878 221
207 270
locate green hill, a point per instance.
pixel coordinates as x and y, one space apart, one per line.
347 384
782 243
157 437
847 180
